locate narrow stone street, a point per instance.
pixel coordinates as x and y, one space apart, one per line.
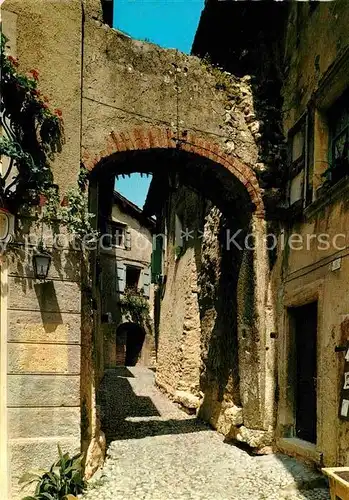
157 452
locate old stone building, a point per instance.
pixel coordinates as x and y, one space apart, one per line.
309 72
125 274
230 334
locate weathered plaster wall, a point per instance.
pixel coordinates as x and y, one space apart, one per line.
43 381
308 56
308 277
141 238
49 40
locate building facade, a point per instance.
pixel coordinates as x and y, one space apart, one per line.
309 70
125 274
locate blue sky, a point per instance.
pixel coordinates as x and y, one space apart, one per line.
169 23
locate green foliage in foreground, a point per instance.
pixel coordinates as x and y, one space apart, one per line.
63 481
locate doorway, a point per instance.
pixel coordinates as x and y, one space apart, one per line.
304 326
129 343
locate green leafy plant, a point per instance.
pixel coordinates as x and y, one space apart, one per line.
135 307
179 251
63 481
224 81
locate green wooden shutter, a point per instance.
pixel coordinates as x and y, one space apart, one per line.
146 282
120 276
156 260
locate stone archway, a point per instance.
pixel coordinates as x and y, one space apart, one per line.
255 362
133 336
147 138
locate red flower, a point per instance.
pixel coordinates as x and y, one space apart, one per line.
35 74
58 112
13 60
42 200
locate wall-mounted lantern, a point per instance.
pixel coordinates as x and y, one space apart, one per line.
7 225
41 263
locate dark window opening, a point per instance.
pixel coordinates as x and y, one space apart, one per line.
132 278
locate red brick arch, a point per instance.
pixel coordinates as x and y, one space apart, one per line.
143 138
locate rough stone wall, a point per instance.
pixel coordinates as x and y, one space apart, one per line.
130 84
209 343
178 361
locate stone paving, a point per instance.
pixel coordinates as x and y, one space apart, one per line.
158 452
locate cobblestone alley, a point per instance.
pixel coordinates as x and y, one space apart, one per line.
158 452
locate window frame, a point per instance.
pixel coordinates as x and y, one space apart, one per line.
111 227
334 116
299 164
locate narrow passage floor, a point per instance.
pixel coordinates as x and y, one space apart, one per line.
158 452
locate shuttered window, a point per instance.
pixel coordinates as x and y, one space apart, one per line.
339 138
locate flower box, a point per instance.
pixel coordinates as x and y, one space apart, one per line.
339 482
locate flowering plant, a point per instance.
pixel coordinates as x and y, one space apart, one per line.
32 133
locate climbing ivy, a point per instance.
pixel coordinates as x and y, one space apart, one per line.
32 135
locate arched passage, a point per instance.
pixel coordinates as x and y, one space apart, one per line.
156 138
231 186
130 336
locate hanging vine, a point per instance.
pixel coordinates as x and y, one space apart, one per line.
135 308
31 134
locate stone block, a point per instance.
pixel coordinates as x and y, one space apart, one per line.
28 326
253 437
43 390
50 296
229 418
41 422
187 399
43 358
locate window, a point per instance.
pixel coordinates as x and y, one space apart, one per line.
133 275
297 155
339 139
120 235
157 258
132 278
